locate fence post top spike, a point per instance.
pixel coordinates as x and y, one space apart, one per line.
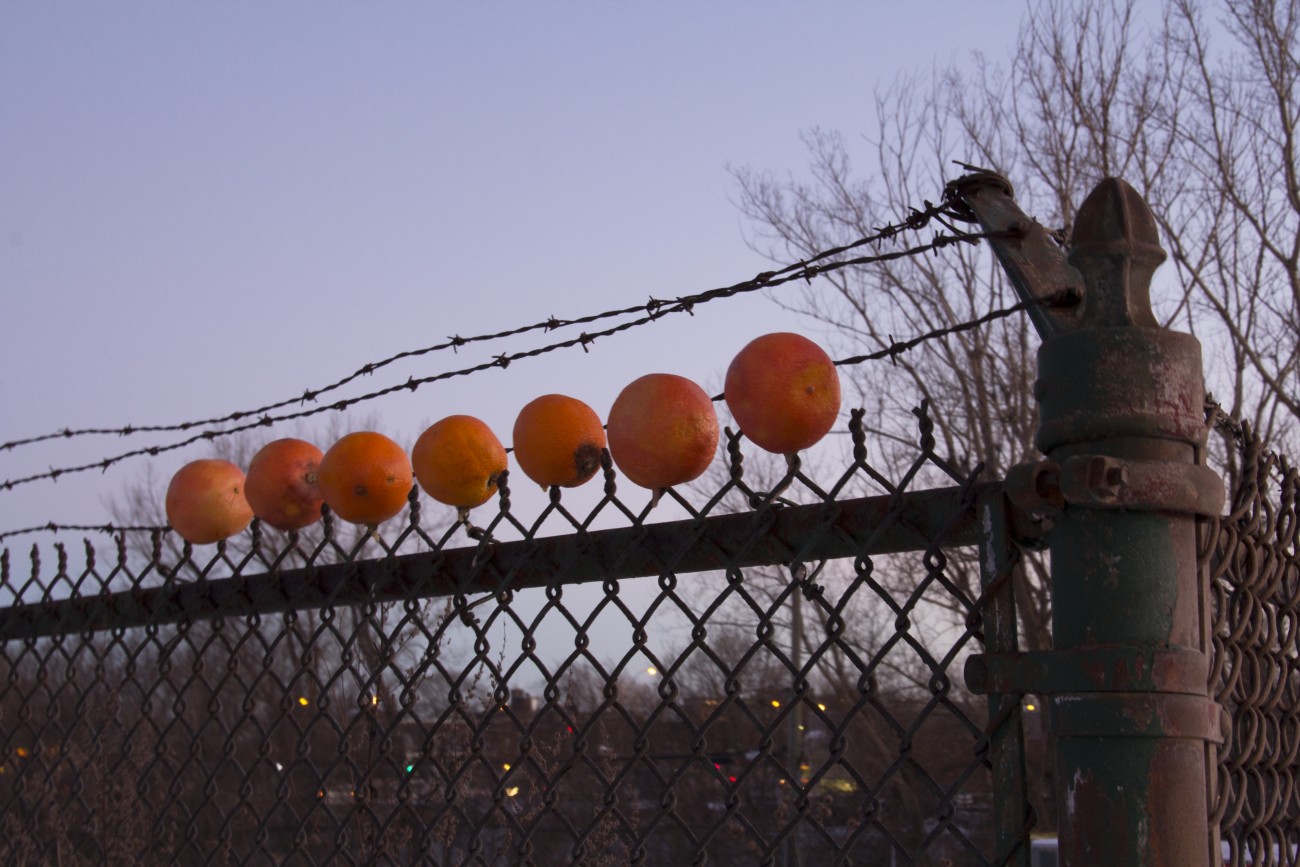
1115 246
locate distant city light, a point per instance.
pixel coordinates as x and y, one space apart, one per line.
821 706
302 700
374 700
775 703
652 671
512 791
505 766
279 767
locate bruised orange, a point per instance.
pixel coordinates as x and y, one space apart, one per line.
458 460
205 501
365 477
663 430
281 484
783 391
558 441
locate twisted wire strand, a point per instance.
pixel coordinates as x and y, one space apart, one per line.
892 351
915 221
584 340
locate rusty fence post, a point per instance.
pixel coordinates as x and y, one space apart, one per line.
1121 423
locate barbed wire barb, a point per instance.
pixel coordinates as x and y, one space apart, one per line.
916 219
685 304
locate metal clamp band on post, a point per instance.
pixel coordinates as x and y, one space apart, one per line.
1102 669
1105 482
1137 715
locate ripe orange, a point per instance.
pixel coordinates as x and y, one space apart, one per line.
663 430
783 391
558 441
281 484
205 501
365 477
458 461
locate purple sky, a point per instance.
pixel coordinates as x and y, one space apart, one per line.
206 207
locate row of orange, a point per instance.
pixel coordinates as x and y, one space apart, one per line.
782 389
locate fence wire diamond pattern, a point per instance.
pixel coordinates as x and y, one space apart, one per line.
765 677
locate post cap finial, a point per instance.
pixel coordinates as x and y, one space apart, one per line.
1116 247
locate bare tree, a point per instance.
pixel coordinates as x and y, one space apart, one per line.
1206 133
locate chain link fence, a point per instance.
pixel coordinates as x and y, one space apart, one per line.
1255 674
764 672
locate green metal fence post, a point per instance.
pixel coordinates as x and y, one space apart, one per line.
1121 417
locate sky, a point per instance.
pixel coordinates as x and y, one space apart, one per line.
209 207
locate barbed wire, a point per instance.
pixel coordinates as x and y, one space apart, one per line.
660 309
110 529
917 219
1064 298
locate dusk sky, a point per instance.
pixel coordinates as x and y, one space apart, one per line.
208 207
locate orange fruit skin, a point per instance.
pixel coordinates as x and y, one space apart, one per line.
365 478
458 460
205 501
281 484
784 392
558 441
663 431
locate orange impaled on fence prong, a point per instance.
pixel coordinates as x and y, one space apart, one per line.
281 484
558 441
663 431
458 461
365 478
783 391
205 501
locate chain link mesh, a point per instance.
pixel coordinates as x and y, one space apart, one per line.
768 679
1255 673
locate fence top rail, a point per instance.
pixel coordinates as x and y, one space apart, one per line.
773 534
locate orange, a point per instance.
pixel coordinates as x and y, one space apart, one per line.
663 431
281 484
458 461
783 391
558 441
365 477
205 501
